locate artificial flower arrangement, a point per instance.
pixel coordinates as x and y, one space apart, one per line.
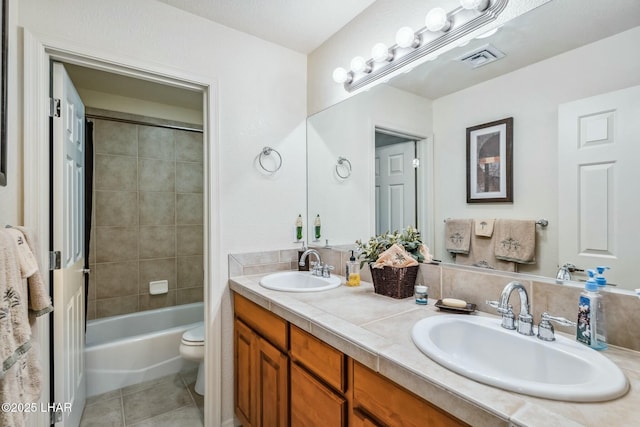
395 249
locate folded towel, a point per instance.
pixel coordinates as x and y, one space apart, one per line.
39 299
515 240
484 227
395 256
458 235
482 254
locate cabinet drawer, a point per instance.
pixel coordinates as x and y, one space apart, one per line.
318 357
394 405
313 404
265 323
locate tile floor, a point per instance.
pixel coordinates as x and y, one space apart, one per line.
166 402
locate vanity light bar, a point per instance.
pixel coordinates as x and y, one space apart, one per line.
440 30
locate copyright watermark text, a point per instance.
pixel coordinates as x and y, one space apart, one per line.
19 407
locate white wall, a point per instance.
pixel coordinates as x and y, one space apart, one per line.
141 107
347 130
262 101
531 96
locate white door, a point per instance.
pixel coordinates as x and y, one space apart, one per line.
68 238
599 152
395 187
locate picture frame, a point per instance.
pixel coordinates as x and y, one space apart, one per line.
490 162
3 92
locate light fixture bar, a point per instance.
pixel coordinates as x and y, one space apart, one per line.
460 25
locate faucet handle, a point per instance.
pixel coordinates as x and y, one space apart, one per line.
508 318
326 270
545 328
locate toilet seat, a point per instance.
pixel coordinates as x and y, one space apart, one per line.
194 336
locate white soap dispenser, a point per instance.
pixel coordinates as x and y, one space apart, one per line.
591 328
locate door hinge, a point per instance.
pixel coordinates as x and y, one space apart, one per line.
54 107
416 163
56 416
54 260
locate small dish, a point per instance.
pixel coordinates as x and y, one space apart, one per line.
470 308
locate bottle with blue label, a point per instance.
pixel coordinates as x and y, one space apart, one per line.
591 328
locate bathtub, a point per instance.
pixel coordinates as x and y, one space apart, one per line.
132 348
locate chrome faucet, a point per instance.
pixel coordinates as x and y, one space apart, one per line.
525 319
318 269
564 272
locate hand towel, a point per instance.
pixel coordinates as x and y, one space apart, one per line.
482 254
515 240
15 331
458 235
484 227
39 299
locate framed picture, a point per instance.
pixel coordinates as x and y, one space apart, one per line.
490 162
3 94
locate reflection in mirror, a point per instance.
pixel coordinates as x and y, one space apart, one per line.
550 61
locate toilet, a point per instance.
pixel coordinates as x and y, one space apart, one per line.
192 348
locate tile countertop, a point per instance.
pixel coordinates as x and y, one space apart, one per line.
376 331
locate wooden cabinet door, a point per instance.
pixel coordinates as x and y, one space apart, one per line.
272 386
313 404
245 344
393 405
360 419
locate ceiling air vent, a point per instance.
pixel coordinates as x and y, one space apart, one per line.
481 56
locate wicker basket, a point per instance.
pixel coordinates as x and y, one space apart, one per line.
394 282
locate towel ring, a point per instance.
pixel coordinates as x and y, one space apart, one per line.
347 167
266 151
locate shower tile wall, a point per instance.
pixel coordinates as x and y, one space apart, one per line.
147 218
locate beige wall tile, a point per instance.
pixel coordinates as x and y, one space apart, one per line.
118 208
150 302
115 138
116 243
189 295
155 143
189 177
157 269
257 258
235 268
190 240
157 208
189 146
190 271
157 242
190 208
117 173
115 306
116 279
621 312
156 175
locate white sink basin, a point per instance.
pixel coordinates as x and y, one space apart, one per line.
480 349
299 281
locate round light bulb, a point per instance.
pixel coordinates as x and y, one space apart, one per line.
340 75
479 5
359 65
380 53
436 20
405 37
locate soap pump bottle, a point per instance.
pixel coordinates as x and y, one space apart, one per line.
304 267
591 328
600 279
299 228
352 271
316 227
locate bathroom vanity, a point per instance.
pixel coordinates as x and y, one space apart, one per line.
345 357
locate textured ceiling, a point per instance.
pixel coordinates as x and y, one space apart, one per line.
301 25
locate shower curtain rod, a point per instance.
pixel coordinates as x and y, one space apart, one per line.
139 122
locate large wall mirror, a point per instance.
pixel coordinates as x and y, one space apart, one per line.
555 57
